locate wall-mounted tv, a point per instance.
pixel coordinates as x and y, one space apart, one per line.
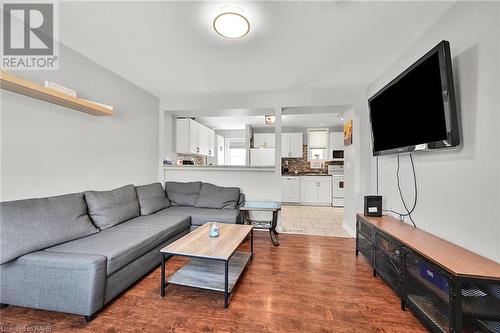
417 110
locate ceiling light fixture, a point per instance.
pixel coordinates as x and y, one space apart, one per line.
231 25
270 120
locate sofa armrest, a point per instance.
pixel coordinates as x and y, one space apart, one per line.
241 201
56 281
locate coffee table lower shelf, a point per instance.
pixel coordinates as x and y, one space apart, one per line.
209 273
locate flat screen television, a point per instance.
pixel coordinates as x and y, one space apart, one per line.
417 110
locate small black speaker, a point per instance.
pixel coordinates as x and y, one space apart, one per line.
373 205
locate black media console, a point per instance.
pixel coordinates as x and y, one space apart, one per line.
448 288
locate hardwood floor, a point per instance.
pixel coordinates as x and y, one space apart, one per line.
307 284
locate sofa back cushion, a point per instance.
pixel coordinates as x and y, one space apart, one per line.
34 224
183 194
152 198
109 208
213 196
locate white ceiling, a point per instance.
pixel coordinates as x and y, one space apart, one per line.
303 120
233 123
170 47
312 120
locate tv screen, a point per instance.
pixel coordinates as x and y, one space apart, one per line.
417 110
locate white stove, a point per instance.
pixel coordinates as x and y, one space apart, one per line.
337 171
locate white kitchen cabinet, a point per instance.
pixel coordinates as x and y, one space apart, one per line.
316 190
291 145
262 157
336 140
308 190
290 189
194 138
221 150
207 140
203 139
325 191
285 144
264 140
211 142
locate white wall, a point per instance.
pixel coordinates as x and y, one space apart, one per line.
50 150
459 191
256 185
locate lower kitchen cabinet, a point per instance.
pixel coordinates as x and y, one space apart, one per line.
290 189
316 190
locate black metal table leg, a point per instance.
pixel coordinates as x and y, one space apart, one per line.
272 231
226 284
266 225
251 243
162 288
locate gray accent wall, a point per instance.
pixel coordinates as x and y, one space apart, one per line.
48 149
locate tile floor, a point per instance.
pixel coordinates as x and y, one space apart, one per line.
313 220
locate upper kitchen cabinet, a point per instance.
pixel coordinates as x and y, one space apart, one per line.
264 140
291 145
221 148
337 140
195 138
317 143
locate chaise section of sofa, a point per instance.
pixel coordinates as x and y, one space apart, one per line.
53 281
64 282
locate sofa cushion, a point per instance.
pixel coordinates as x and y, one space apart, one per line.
183 194
151 198
213 196
129 240
33 224
200 216
109 208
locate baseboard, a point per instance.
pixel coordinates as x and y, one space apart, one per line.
348 229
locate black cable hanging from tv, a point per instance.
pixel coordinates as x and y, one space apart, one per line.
408 211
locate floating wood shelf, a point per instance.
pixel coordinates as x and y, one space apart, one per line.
21 86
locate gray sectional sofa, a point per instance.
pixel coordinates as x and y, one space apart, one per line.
76 252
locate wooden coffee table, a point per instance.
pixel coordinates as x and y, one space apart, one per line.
215 263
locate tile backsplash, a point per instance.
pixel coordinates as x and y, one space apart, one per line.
302 165
198 160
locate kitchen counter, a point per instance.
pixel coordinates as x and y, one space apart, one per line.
220 168
303 174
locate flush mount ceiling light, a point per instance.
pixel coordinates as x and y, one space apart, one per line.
270 120
231 25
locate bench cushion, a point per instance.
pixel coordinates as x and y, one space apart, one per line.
33 224
152 198
200 216
128 241
183 194
109 208
213 196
